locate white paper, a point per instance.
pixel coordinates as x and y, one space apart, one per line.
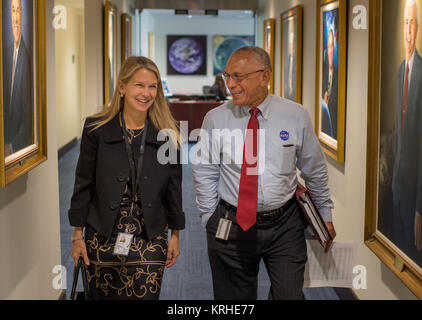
332 269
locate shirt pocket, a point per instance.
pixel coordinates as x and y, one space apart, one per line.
287 160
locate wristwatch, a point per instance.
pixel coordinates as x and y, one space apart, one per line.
74 238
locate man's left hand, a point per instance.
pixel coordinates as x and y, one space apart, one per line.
331 230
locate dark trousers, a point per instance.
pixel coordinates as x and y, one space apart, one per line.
279 242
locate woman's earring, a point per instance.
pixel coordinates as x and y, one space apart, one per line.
122 100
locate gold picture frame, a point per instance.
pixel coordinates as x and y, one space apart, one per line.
331 69
382 234
126 36
110 51
291 35
269 45
23 146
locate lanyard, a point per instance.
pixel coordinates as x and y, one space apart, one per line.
135 172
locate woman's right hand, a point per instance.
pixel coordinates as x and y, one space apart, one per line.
78 250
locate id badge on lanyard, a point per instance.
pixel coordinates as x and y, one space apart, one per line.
223 229
122 245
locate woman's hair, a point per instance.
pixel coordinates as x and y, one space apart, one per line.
159 112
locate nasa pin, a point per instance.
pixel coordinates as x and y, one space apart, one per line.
284 135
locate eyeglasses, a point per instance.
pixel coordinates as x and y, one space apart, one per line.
238 77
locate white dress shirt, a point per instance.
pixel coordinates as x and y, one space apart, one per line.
410 63
286 141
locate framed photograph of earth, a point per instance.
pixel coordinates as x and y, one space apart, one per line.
186 55
224 46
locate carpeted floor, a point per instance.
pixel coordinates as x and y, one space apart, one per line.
190 278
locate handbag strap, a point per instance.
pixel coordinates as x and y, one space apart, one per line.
85 281
79 266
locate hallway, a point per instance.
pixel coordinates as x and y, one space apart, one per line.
190 278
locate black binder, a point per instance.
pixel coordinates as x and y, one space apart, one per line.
314 218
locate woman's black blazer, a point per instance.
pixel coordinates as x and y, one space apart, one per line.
101 176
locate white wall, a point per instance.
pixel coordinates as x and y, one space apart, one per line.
94 11
146 25
29 213
197 25
80 85
347 181
70 75
94 47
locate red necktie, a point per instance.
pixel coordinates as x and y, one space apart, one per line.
404 106
248 187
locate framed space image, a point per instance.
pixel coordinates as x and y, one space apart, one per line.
126 36
331 70
393 221
186 55
291 54
110 50
223 46
269 45
23 138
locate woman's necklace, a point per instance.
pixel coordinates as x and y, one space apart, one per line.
133 134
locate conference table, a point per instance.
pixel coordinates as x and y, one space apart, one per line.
192 112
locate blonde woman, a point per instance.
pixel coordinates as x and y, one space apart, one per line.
124 198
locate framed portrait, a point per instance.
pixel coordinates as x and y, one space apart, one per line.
331 69
269 45
126 36
23 143
393 222
291 54
186 55
110 50
224 46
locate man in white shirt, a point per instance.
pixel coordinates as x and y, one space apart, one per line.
253 195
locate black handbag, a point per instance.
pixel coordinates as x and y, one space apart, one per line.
85 295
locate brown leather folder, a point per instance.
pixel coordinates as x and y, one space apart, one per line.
314 218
